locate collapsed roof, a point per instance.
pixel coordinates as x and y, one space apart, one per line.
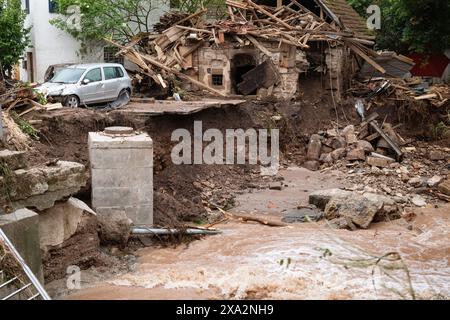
296 23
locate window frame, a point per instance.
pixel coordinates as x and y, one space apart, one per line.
101 75
53 6
118 72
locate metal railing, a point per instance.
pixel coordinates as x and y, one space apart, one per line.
21 283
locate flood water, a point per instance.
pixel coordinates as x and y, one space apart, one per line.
301 261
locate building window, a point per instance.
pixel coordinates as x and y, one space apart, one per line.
52 6
27 6
109 55
217 79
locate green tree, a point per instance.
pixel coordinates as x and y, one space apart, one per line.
92 20
14 37
411 25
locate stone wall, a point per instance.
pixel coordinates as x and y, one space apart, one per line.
339 65
209 61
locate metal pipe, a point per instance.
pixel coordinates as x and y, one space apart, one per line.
154 231
8 282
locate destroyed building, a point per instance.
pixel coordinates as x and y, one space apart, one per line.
263 48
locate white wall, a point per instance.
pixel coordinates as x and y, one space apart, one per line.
51 45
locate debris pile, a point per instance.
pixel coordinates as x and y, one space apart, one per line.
378 145
409 90
168 52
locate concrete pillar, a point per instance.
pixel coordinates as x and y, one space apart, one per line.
122 173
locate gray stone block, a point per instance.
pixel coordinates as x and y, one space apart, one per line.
22 228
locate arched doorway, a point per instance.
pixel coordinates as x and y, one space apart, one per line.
240 65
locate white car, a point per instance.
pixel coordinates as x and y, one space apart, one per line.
84 84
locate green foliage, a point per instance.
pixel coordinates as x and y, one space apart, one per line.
14 38
411 25
119 20
440 131
41 97
24 126
192 6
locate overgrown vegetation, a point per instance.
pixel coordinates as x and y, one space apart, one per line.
14 37
411 25
24 126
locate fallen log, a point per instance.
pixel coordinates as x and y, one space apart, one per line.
245 218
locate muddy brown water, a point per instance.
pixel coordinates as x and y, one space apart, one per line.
301 261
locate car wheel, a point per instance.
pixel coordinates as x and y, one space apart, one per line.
72 102
124 94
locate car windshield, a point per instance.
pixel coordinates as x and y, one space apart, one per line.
69 75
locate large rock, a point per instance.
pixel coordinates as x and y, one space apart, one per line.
13 160
338 154
336 142
314 147
60 223
115 227
68 236
41 187
360 210
320 198
444 187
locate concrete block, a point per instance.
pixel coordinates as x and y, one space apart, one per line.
22 228
122 175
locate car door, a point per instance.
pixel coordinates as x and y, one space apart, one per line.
113 77
94 90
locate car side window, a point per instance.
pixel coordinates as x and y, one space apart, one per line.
112 73
94 75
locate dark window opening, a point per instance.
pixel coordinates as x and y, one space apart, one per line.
240 65
52 6
217 79
27 6
109 55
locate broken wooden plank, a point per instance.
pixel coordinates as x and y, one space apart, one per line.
267 13
369 60
259 46
264 75
426 96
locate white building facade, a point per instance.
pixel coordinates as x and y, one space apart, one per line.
51 46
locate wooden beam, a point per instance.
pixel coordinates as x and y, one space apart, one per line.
267 13
369 60
259 46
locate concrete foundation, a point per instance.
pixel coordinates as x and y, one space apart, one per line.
22 228
122 175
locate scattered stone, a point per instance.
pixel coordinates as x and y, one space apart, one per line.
378 162
418 201
437 155
312 165
275 186
349 133
356 154
342 223
320 198
302 215
335 143
434 181
326 158
13 160
417 182
338 153
314 147
444 187
365 145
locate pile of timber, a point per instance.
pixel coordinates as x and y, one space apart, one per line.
409 90
22 100
168 50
